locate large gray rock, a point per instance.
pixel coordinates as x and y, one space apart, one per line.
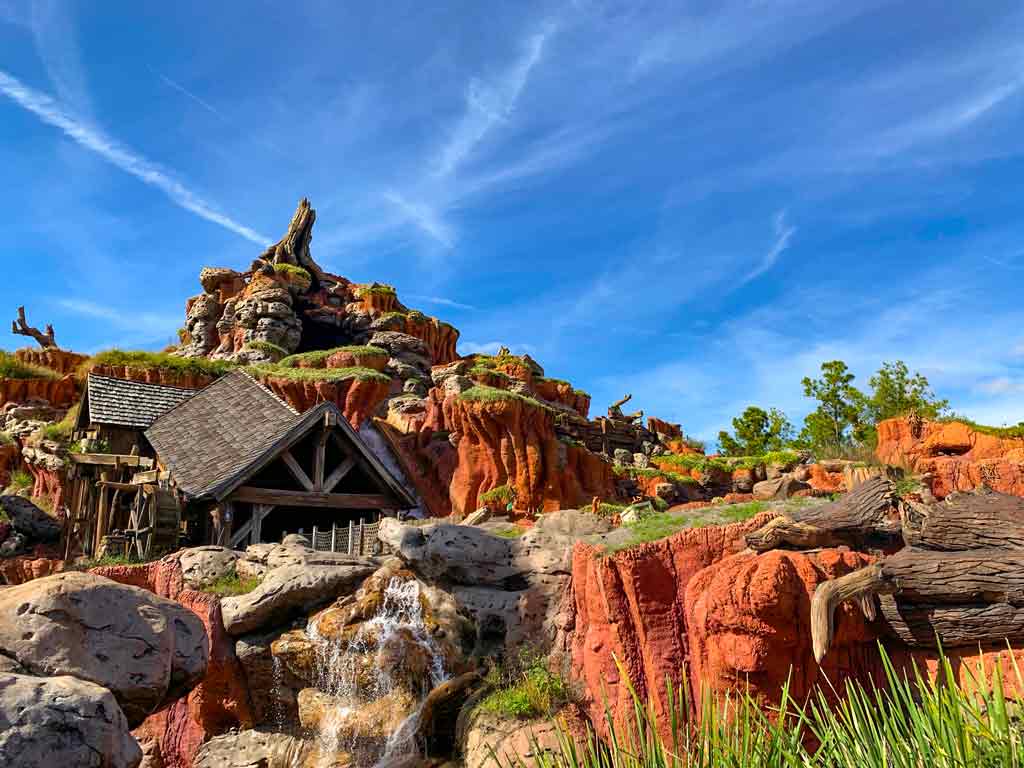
273 687
29 520
780 488
255 749
202 566
146 650
292 590
62 722
514 589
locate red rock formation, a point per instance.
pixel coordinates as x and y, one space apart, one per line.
632 606
821 478
440 337
60 393
558 391
955 455
357 398
512 442
168 376
665 428
59 360
221 701
42 561
47 484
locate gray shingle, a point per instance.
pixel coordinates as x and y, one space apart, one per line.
219 432
122 403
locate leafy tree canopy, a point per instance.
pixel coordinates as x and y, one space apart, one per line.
757 432
897 392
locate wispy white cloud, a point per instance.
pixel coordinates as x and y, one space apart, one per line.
145 323
442 301
783 235
1001 385
175 85
490 103
56 43
52 113
424 217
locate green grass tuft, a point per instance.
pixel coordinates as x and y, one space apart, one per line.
501 495
153 360
294 273
737 513
377 289
231 585
525 690
317 356
512 532
12 368
317 374
20 480
265 346
1010 432
484 394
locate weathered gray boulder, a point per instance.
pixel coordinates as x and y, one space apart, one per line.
273 688
782 487
29 520
254 749
202 566
290 591
62 722
144 649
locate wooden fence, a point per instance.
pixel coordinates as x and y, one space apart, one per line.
354 539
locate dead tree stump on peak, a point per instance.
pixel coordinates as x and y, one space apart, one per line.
20 327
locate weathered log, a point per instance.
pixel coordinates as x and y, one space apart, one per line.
293 248
21 327
862 585
866 513
960 597
965 521
975 576
924 625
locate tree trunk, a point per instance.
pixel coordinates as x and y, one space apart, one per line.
924 625
974 576
964 521
867 512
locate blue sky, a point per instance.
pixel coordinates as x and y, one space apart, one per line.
695 202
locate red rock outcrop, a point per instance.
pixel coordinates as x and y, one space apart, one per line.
42 561
509 441
59 360
358 398
47 483
632 606
955 455
823 478
170 377
10 457
60 393
221 701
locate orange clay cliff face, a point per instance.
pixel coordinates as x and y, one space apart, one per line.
953 455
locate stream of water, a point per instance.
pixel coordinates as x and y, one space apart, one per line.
341 675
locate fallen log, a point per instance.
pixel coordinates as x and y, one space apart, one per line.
857 519
977 520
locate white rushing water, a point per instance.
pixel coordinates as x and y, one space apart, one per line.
400 618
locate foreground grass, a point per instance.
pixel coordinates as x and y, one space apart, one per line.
908 723
231 585
525 689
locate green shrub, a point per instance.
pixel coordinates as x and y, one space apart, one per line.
231 585
696 461
153 360
61 431
20 480
499 496
317 374
610 509
315 357
6 439
12 368
905 721
525 689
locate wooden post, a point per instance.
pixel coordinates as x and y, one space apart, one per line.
362 535
101 514
334 537
314 538
351 531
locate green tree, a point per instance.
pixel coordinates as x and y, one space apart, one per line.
895 392
757 432
839 420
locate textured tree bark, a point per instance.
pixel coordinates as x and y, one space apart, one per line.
21 327
293 248
973 576
924 625
866 512
965 521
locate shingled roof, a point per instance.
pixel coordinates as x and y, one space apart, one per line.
217 434
122 403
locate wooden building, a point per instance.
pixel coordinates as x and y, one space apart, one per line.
247 467
114 413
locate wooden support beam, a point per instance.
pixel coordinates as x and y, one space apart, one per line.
150 476
117 486
252 495
339 472
111 460
320 459
297 471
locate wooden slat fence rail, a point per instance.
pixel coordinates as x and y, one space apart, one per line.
353 539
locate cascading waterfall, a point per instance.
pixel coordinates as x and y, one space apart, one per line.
338 668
